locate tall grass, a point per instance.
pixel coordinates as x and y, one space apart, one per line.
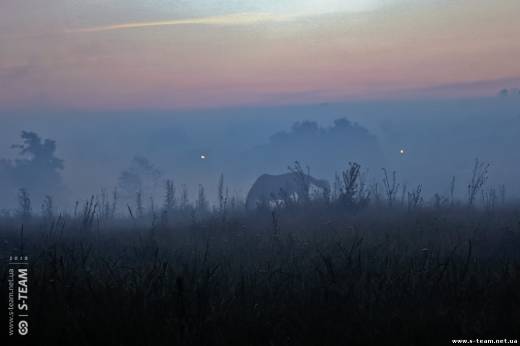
312 272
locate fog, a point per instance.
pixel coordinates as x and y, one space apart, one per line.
425 142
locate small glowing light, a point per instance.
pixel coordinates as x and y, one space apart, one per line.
203 157
401 151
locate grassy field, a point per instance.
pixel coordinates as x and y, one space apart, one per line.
316 273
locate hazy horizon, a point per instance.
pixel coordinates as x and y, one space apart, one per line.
441 138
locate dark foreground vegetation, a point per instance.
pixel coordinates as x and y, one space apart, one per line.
350 270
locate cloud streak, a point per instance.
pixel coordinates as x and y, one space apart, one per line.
225 20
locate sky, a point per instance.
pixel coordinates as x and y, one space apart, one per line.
180 54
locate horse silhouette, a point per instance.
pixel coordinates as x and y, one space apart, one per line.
269 187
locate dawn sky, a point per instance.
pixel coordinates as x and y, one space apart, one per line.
172 54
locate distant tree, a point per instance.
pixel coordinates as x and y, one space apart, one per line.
305 128
299 130
503 93
345 127
141 177
342 123
39 151
324 149
129 182
37 169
